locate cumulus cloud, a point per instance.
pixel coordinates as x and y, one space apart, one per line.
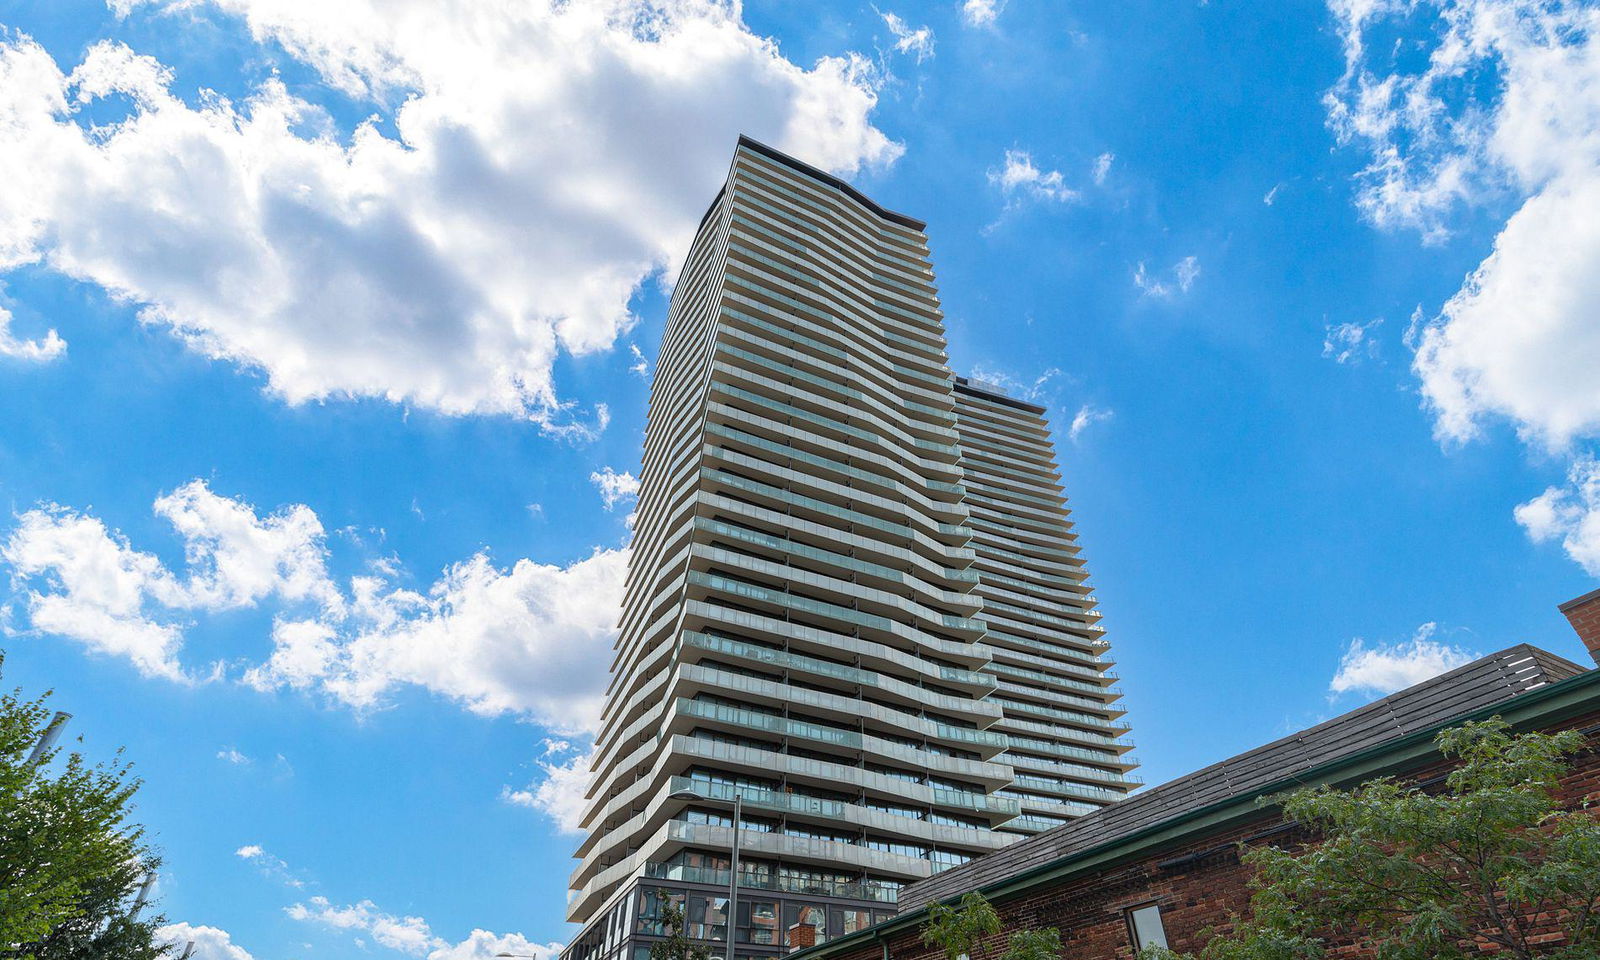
210 943
1087 415
236 558
405 934
528 167
49 347
91 586
1020 179
1165 286
531 639
1569 514
1381 669
1349 343
116 600
560 795
913 41
1518 342
233 756
614 487
412 935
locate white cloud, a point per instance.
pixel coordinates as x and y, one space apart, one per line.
270 866
33 351
120 601
1102 167
560 795
482 945
233 756
412 935
1570 514
1179 280
210 943
532 639
96 588
615 487
1518 341
1087 414
1008 383
1272 195
406 934
915 41
1352 342
1382 669
237 558
531 165
982 13
640 365
303 653
1019 179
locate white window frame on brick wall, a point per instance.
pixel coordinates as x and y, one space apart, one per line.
1144 925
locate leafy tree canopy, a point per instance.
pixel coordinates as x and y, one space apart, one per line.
1445 874
960 930
71 860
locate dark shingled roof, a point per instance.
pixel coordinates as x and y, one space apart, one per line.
1477 685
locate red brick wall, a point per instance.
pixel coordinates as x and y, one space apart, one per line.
1585 618
1194 896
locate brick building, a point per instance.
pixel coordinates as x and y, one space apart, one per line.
1584 615
1163 866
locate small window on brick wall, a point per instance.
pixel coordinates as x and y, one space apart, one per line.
1145 928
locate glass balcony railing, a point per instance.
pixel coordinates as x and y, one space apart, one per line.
765 880
861 677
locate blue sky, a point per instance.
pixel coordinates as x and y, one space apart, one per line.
316 497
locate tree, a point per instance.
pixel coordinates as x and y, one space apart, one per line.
71 861
959 930
1042 944
1446 875
677 946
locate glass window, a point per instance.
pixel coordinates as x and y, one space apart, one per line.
842 921
797 913
758 921
943 859
707 918
1145 927
652 912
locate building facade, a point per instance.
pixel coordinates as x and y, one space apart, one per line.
855 598
1164 867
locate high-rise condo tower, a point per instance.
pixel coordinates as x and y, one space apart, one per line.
855 599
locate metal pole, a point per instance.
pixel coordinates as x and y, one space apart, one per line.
144 894
48 738
733 879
